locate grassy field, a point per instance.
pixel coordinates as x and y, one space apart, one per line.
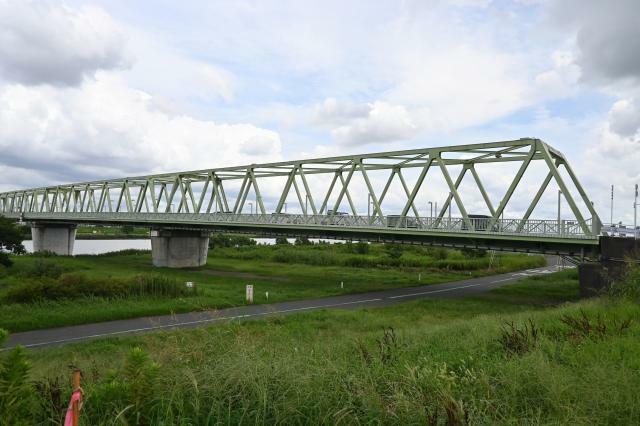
286 272
527 353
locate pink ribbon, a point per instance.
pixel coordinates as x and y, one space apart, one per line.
76 397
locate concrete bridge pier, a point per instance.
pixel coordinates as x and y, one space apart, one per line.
596 277
55 238
177 248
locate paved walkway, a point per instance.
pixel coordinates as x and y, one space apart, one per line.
77 333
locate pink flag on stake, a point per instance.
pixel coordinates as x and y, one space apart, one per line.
76 397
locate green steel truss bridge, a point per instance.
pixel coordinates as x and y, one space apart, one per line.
218 199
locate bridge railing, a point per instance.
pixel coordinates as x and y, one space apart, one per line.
538 228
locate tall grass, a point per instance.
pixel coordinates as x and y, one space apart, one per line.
428 362
77 285
377 256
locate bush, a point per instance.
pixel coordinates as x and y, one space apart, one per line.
16 394
361 247
282 241
225 240
394 251
629 287
129 393
10 238
42 268
127 229
302 241
77 285
466 252
438 253
5 261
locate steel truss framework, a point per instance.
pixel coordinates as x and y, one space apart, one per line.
201 194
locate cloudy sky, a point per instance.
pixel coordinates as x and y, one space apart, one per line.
90 90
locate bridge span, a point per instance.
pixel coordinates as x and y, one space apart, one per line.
325 197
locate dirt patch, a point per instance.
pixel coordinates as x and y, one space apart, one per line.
244 275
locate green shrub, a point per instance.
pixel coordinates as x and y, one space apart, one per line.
5 261
473 252
282 241
127 394
77 285
394 251
302 241
629 287
438 253
361 247
42 268
16 394
225 240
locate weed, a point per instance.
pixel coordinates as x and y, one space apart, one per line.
49 392
583 327
516 340
16 394
387 345
76 285
629 286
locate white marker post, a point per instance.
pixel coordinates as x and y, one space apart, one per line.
249 293
341 284
419 276
266 293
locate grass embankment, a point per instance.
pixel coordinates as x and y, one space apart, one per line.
424 362
286 272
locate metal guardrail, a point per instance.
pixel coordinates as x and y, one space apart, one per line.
620 230
570 229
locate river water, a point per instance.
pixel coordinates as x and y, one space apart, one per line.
105 246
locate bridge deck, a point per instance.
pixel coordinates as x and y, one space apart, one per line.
546 236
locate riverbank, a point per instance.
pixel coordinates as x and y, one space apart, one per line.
519 354
276 274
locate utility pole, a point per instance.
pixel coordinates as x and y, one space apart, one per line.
611 220
431 209
635 214
559 200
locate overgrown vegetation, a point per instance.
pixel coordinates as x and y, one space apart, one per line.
43 290
75 285
364 255
16 393
10 241
434 362
518 340
218 240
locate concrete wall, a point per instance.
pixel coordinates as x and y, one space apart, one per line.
58 239
178 248
595 277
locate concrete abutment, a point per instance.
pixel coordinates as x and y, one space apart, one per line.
615 252
176 248
54 238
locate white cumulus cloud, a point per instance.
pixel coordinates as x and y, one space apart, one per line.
360 124
51 43
105 129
